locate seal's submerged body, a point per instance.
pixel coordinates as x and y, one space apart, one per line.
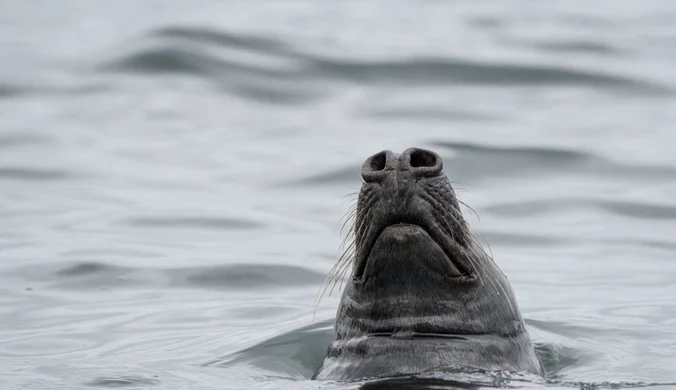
423 295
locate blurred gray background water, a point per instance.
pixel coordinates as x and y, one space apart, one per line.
173 175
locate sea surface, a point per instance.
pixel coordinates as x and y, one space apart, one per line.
173 176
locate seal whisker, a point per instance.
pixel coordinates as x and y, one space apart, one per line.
343 261
341 276
455 187
333 272
355 194
346 257
470 208
352 207
512 305
474 257
362 219
347 250
462 226
470 247
349 218
332 277
502 288
487 244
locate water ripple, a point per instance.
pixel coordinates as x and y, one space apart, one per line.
194 222
33 174
217 56
297 352
471 162
96 275
122 381
427 114
438 71
584 47
623 208
47 87
14 140
339 176
511 238
121 267
204 35
7 91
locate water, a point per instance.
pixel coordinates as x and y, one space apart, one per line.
173 175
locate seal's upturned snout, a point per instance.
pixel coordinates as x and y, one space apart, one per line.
407 205
415 161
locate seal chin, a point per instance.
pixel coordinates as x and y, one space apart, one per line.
407 249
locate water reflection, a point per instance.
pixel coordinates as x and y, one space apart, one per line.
172 179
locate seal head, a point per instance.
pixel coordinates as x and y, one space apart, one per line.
423 294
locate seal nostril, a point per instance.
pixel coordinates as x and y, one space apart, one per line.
378 161
376 167
423 158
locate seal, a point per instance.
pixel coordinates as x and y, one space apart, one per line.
423 296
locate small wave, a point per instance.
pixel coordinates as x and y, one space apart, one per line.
441 114
96 275
204 35
7 90
89 269
438 71
122 381
583 47
466 163
162 60
193 222
297 353
249 81
555 358
11 141
287 72
639 210
623 208
340 176
167 58
479 162
508 239
247 276
666 245
532 153
109 252
33 174
530 207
